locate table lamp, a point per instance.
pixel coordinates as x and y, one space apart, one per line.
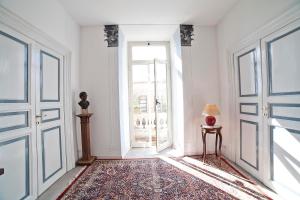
210 111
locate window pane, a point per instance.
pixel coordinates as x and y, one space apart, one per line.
149 52
139 73
161 72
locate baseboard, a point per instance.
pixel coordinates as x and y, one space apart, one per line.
192 153
109 157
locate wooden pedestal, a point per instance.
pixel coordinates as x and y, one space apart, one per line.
86 159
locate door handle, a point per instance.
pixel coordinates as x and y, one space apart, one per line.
266 111
38 117
157 102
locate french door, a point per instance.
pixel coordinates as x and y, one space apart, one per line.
162 114
149 97
32 140
268 99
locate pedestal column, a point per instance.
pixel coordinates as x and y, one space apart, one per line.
87 158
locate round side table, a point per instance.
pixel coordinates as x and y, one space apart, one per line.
211 130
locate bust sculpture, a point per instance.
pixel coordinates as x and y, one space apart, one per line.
87 158
84 103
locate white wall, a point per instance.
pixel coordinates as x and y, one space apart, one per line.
104 76
200 86
123 93
246 17
99 78
51 18
194 79
177 92
104 80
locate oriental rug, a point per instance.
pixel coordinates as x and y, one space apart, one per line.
163 178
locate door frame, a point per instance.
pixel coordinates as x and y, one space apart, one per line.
152 43
22 27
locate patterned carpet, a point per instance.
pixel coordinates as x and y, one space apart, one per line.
162 178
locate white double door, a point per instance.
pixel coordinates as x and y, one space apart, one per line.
267 77
150 104
32 140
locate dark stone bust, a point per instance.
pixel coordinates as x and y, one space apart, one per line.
84 103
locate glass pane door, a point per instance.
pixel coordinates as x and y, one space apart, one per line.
148 86
143 111
161 101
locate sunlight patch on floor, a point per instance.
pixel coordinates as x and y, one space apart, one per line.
217 171
208 179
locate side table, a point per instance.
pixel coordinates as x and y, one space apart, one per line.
211 130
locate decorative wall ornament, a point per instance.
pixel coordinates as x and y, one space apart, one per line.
186 33
112 35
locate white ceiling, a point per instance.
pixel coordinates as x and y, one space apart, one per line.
99 12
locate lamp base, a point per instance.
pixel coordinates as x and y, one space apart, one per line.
210 120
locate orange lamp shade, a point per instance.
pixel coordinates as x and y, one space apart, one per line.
211 110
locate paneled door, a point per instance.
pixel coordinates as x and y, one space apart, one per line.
268 105
49 117
32 137
16 107
249 104
281 72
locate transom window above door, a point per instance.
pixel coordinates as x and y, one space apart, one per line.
149 52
